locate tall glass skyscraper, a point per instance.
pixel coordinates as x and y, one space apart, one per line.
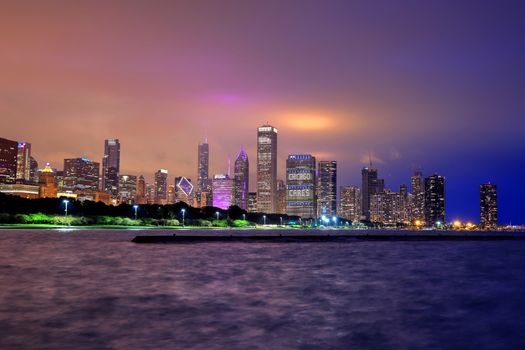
300 186
488 203
434 200
241 179
370 186
23 162
418 197
327 188
111 167
8 160
203 161
266 169
161 186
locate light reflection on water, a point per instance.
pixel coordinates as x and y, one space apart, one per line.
87 289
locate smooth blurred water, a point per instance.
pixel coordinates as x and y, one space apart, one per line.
97 290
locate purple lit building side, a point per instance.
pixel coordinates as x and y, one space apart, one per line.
222 191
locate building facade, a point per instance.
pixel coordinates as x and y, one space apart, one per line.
46 181
23 163
127 189
418 197
327 188
434 200
183 190
488 203
222 191
266 169
300 186
371 185
252 202
81 175
203 161
161 187
350 203
111 167
241 179
8 160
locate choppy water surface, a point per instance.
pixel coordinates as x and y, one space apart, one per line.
96 290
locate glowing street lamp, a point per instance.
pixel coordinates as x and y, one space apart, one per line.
281 218
244 217
334 220
217 213
66 202
136 207
264 220
183 212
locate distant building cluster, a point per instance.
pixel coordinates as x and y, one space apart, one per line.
309 190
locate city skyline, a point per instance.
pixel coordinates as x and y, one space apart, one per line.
445 98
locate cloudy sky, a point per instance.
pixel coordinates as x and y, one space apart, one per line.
434 85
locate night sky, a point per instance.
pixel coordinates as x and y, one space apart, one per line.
434 85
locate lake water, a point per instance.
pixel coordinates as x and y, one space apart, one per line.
88 289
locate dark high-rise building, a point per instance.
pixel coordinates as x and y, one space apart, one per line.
434 200
350 203
203 161
418 197
127 188
80 175
281 197
241 180
33 170
111 167
370 186
23 162
327 188
252 202
8 160
300 186
161 187
266 169
488 206
141 190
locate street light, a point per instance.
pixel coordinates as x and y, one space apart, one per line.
264 220
217 213
183 212
66 202
136 207
335 220
281 218
244 217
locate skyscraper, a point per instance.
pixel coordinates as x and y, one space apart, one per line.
266 169
141 190
327 188
23 162
8 160
183 190
300 186
81 175
350 203
241 179
127 188
434 200
281 197
488 206
161 186
418 197
252 202
203 161
222 191
370 186
111 166
47 185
